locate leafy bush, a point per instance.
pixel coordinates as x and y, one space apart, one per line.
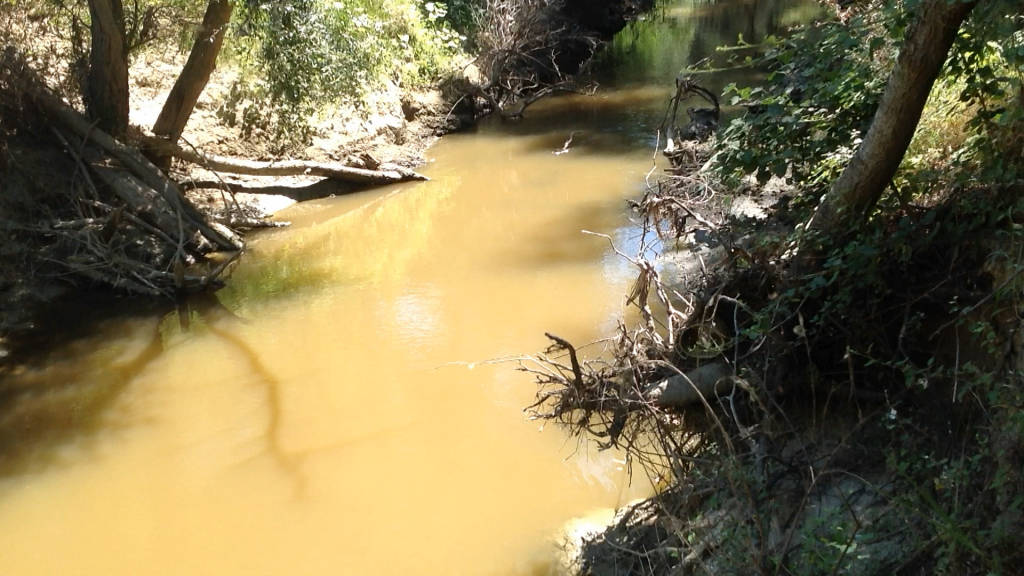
463 15
301 55
823 85
918 311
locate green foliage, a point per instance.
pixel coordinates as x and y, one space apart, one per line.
870 302
824 83
301 55
909 327
822 87
462 15
965 500
297 59
145 21
988 61
149 22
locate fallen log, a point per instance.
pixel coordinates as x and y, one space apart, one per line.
385 174
144 202
134 162
689 388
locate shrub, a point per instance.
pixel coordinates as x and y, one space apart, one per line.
299 56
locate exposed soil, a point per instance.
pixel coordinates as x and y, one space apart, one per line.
391 126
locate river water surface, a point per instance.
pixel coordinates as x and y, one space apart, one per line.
335 409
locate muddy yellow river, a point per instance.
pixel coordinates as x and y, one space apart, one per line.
349 403
341 413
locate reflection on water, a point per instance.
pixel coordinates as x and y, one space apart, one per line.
334 410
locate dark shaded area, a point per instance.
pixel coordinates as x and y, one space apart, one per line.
299 192
562 242
60 316
222 322
627 110
48 403
605 17
601 19
42 305
679 34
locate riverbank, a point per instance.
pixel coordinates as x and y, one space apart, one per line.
279 431
806 449
392 126
844 399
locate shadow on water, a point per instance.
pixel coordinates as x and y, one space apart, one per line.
53 407
678 34
300 192
50 402
608 123
206 314
637 69
351 243
224 325
562 242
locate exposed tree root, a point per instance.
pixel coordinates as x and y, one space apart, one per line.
801 421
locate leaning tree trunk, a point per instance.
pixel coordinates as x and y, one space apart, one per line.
107 88
196 73
873 166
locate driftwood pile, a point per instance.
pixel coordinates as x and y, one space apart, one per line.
681 357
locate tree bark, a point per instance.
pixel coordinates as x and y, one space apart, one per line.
879 155
202 60
144 202
683 390
106 95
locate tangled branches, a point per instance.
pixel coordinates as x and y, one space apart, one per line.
527 51
636 399
703 121
815 436
109 215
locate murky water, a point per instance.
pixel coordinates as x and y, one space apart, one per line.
348 404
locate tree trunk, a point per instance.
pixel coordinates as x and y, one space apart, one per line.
193 78
135 163
873 166
106 95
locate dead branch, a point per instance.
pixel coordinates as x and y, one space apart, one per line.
386 174
141 200
523 45
703 121
124 223
134 162
577 373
